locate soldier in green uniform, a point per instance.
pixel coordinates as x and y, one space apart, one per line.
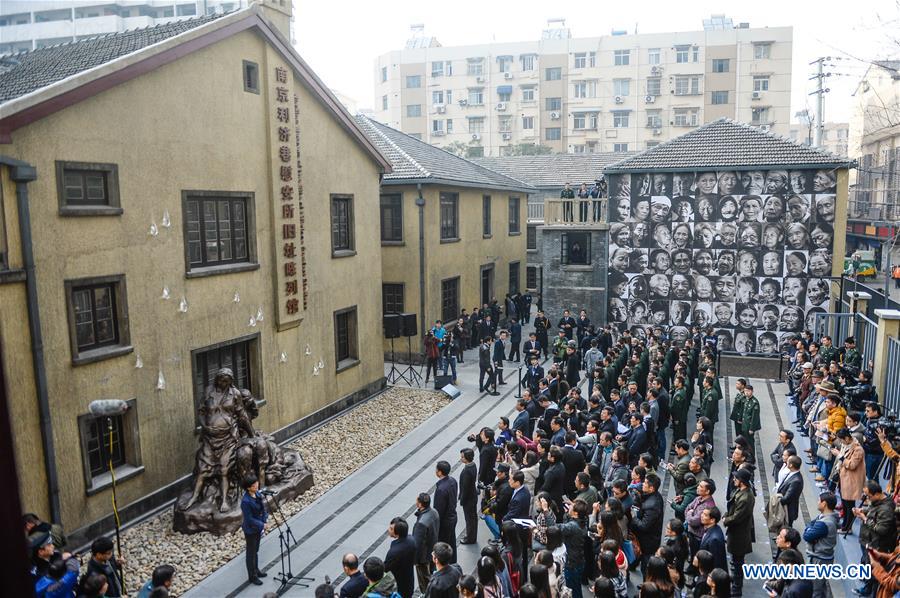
827 351
737 408
709 402
750 416
852 358
678 409
560 344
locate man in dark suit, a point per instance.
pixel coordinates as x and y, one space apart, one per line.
637 441
573 460
647 520
523 419
520 502
446 492
356 582
531 347
498 356
401 557
714 538
555 477
533 374
791 489
468 494
425 533
487 456
785 441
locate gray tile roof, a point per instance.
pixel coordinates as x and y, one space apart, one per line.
553 170
29 71
415 161
727 143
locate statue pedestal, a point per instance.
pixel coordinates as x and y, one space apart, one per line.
204 515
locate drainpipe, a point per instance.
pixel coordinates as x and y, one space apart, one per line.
23 173
420 201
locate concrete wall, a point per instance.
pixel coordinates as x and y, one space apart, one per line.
185 126
463 258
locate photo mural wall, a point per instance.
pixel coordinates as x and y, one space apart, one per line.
746 252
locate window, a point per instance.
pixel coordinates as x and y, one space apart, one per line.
620 119
514 268
113 440
720 65
682 53
475 69
654 119
437 126
413 81
392 218
476 125
527 61
504 96
760 83
553 74
719 97
85 188
622 57
98 318
527 94
185 10
584 120
450 299
448 67
383 74
621 87
437 68
651 144
505 63
449 95
515 216
392 298
553 134
687 117
219 230
476 96
251 76
531 277
449 125
576 248
505 124
580 60
620 147
239 355
486 215
553 104
346 347
475 151
528 123
654 85
687 86
437 97
585 89
384 103
531 237
653 56
761 51
342 238
760 116
413 110
695 53
449 216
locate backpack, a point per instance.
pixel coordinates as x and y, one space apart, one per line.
515 576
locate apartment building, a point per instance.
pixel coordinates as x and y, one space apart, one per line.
29 25
834 136
616 92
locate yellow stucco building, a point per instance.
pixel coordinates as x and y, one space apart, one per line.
452 232
177 184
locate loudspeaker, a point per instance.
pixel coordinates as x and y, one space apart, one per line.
442 381
393 326
451 391
410 327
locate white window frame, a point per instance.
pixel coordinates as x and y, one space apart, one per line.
621 57
437 68
713 97
686 117
654 55
682 54
654 119
760 115
580 60
762 50
437 125
475 68
760 82
527 62
476 96
658 86
528 94
476 125
622 87
621 119
620 147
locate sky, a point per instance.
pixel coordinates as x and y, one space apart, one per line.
341 40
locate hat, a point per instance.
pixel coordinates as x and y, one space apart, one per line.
573 345
744 476
808 365
828 387
503 467
40 540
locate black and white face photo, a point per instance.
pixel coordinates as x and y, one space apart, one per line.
727 237
770 290
753 182
682 183
661 184
777 182
729 208
723 314
640 184
725 261
824 181
703 288
771 263
660 287
798 208
795 263
770 316
660 209
816 292
773 209
724 288
681 261
820 263
703 261
794 291
825 208
751 208
704 235
747 290
792 318
799 182
729 183
767 342
745 342
681 287
706 209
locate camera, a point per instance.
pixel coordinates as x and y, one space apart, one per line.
889 424
481 486
471 437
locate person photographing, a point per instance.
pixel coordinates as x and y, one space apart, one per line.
253 509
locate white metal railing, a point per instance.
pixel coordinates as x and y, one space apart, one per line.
575 211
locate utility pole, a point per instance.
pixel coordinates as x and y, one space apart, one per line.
820 100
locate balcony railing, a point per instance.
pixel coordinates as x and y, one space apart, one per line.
536 211
575 212
873 211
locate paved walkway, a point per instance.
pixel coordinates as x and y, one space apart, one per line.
353 516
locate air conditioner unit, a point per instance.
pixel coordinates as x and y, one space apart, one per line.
757 95
476 136
655 70
764 128
501 105
463 102
506 136
650 99
657 131
554 116
507 75
619 99
438 133
440 108
480 79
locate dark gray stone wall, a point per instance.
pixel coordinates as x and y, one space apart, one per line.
574 287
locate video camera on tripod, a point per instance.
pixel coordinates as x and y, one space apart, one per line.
889 425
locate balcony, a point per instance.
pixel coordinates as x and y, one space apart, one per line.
873 211
573 212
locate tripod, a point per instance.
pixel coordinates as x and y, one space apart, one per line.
285 540
414 375
395 374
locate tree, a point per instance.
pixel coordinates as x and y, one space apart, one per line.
458 148
529 149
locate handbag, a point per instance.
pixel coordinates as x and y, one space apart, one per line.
823 450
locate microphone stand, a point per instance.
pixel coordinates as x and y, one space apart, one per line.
115 506
285 540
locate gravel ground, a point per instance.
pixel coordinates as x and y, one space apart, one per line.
153 542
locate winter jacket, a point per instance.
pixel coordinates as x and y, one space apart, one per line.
738 522
853 471
821 537
383 588
879 528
